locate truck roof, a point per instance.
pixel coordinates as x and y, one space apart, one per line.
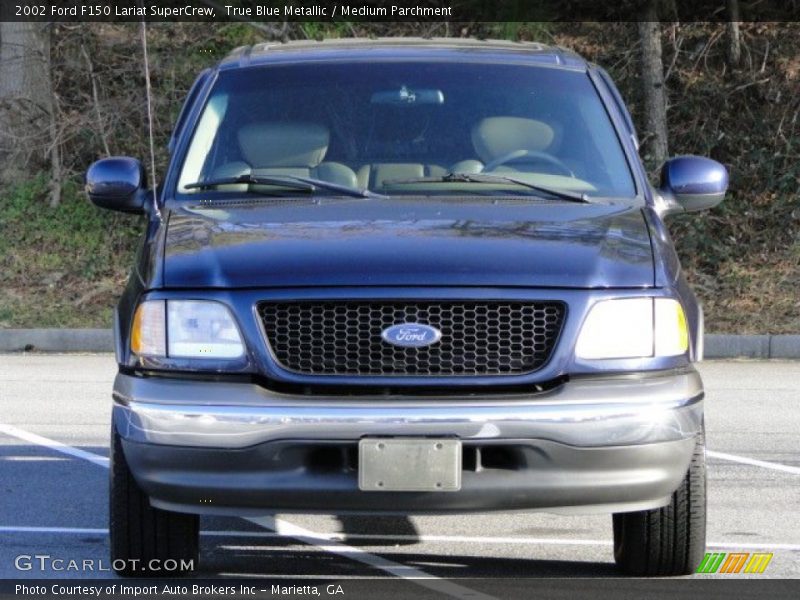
461 49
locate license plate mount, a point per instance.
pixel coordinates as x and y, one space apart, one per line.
409 465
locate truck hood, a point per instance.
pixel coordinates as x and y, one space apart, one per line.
305 242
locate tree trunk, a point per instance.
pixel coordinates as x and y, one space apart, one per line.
26 100
734 41
655 96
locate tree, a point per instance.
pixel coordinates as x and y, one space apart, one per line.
27 124
655 96
734 41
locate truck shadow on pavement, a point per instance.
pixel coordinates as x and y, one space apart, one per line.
285 556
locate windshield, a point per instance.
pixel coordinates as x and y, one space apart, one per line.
402 127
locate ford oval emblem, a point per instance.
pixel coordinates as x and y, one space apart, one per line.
411 335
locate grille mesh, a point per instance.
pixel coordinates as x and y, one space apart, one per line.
478 338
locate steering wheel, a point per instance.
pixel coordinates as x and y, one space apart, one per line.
541 156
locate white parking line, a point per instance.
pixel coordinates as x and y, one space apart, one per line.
74 530
754 462
286 529
456 539
378 562
449 539
21 434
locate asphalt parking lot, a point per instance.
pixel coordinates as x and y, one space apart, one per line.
54 424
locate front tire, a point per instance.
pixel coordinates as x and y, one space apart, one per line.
143 538
670 540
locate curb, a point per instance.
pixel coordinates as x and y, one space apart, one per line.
752 346
56 340
102 340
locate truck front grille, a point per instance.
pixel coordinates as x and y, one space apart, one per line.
478 338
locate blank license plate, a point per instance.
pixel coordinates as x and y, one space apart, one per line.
409 465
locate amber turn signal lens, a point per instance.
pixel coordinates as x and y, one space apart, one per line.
148 334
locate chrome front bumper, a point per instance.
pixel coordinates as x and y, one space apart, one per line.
584 412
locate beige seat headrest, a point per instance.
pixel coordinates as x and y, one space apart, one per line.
278 144
495 137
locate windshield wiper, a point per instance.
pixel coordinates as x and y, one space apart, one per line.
487 178
294 182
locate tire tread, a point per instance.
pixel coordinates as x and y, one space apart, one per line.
670 540
139 532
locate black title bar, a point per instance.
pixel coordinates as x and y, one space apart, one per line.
278 11
332 588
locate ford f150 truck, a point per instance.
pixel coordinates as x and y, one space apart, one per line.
407 276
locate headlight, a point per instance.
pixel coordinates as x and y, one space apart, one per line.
185 329
633 328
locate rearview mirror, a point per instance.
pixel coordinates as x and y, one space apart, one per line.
117 183
406 96
693 183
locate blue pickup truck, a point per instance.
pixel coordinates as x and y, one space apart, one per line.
407 276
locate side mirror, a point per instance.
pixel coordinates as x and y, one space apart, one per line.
692 183
117 183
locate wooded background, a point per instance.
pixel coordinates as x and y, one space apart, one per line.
72 93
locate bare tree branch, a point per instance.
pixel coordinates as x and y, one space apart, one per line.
96 98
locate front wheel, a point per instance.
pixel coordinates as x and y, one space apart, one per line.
146 541
670 540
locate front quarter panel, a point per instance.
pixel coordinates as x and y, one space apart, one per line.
146 274
669 274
